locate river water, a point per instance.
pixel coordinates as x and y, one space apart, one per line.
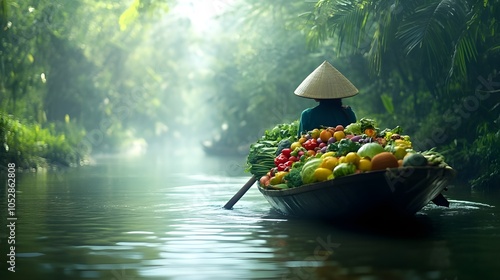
161 217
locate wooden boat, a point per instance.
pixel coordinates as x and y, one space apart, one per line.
395 192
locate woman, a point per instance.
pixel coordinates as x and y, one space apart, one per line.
327 86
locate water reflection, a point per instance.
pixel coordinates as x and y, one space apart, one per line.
156 219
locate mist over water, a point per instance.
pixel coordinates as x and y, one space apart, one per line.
160 216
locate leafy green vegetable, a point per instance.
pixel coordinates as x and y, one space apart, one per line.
367 123
359 127
282 131
293 178
343 147
353 128
283 144
371 149
308 169
260 158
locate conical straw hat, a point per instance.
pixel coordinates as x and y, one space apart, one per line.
326 82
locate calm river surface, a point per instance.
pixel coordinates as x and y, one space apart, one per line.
158 217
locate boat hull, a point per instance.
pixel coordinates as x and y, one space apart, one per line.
392 192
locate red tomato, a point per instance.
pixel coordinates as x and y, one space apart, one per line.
286 152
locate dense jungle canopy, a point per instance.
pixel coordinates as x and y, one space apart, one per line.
85 76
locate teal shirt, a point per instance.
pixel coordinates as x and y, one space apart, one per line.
325 114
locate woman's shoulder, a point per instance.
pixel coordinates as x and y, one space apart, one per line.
307 111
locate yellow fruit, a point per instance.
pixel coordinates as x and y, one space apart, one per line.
365 164
339 135
275 180
399 152
342 159
322 174
353 158
325 135
295 145
329 163
328 154
302 140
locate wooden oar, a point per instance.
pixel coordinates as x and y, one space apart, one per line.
240 193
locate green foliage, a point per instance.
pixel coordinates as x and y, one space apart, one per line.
30 146
427 59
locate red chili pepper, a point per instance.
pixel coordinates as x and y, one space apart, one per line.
281 167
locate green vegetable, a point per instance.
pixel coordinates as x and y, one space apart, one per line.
307 172
260 159
293 178
353 128
344 169
283 144
343 147
282 131
370 150
359 127
434 158
367 123
261 156
415 159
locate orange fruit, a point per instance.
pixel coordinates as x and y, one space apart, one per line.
325 135
339 135
339 128
384 160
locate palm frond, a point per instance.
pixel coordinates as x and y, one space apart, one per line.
433 29
465 50
343 20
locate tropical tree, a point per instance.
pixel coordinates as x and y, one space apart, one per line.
424 55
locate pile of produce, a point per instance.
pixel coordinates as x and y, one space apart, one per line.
281 160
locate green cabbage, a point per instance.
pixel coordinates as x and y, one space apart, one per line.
353 128
370 150
308 169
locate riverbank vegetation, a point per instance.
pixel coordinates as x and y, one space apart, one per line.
226 70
